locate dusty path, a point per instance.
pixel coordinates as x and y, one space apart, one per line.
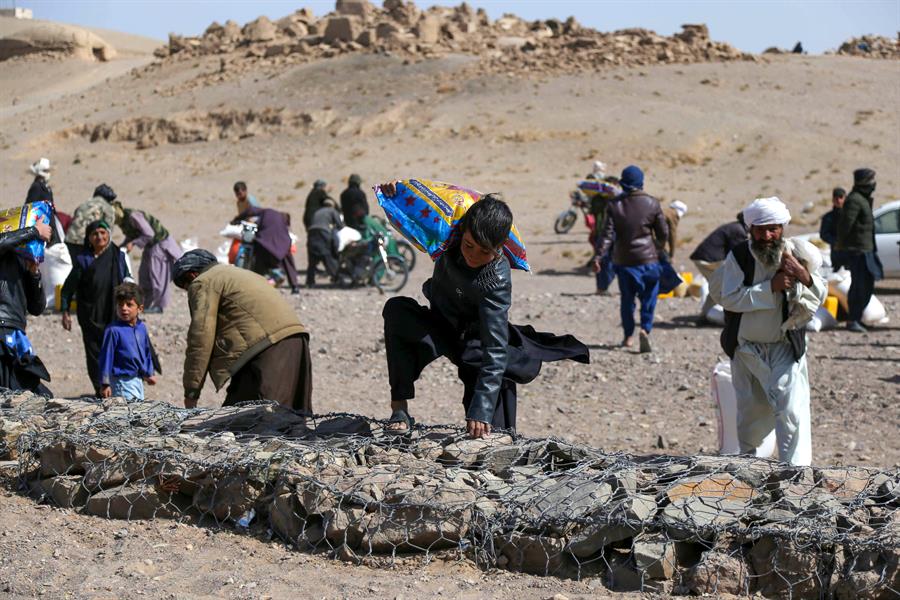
54 553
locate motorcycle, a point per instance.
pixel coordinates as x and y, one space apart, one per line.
240 250
581 199
368 262
566 219
243 257
395 245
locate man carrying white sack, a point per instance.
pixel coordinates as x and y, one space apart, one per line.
769 288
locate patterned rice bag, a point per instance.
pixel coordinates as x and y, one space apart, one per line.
595 187
20 217
427 213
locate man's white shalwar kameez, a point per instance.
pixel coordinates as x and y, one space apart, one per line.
772 388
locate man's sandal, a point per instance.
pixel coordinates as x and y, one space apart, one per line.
400 416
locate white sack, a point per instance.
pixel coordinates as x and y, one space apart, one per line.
724 397
57 266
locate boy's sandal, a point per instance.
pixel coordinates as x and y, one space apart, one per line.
400 416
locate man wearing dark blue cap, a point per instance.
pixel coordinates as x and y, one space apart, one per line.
637 221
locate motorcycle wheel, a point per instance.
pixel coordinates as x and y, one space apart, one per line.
391 277
565 221
408 253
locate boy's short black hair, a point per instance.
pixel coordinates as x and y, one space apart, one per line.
128 291
838 192
488 221
240 186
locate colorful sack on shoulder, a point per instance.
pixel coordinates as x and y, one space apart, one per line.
595 187
20 217
427 213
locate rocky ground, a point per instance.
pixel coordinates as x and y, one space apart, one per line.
55 553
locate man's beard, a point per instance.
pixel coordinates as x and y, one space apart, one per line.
768 253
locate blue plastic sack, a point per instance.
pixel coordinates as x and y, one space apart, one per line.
20 217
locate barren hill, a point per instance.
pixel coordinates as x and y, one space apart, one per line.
712 134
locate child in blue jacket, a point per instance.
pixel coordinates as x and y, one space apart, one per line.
126 358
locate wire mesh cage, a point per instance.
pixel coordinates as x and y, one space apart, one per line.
342 484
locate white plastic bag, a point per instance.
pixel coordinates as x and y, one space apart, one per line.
222 252
874 314
724 396
716 315
822 321
839 286
232 232
189 244
133 278
347 236
57 266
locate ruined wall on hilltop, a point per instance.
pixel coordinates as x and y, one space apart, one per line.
508 44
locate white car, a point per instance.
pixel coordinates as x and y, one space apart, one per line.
887 237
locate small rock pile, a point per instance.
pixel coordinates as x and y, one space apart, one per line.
341 484
508 44
191 127
872 46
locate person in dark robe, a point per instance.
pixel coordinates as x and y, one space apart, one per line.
40 191
314 201
469 296
96 272
21 292
714 249
354 205
40 188
272 244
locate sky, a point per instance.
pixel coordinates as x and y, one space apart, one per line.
750 25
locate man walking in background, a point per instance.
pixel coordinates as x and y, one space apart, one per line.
636 220
673 214
98 208
856 240
321 241
828 227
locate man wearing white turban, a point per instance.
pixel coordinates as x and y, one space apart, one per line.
766 289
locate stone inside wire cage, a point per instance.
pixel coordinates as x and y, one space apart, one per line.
342 485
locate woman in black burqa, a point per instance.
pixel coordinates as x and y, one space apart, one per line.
469 294
96 272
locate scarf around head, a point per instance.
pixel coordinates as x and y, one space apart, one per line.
767 211
91 228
